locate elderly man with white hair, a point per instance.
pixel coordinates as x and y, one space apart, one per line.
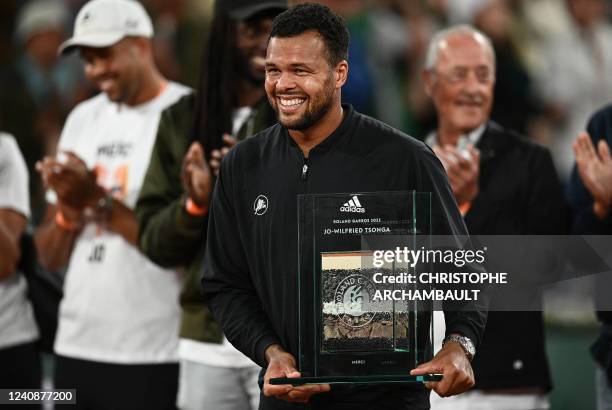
504 185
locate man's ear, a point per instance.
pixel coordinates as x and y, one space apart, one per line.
341 73
429 79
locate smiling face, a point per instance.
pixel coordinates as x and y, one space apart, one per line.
115 70
251 42
300 84
461 84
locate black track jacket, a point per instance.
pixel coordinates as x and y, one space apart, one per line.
250 273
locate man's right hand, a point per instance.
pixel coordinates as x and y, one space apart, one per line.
282 364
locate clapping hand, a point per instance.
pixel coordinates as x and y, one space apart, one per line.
463 170
68 175
595 169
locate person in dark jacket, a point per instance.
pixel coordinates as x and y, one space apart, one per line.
229 107
504 185
589 194
319 146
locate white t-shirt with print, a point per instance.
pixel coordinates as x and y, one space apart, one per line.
118 306
17 325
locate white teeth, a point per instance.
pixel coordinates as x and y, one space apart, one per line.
292 102
105 85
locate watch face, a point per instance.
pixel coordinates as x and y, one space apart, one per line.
104 208
465 343
469 346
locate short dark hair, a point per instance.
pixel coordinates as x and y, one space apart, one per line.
317 17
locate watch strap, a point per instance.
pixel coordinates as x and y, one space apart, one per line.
466 344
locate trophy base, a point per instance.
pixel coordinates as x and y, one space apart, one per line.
299 381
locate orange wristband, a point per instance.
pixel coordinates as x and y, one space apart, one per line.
193 209
465 208
63 223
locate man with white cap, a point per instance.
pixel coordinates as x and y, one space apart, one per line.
118 323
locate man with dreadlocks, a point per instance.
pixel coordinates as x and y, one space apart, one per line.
172 209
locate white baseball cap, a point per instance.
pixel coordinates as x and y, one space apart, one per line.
102 23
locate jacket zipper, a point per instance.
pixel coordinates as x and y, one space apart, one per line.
305 169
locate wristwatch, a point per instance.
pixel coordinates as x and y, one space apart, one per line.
104 208
466 344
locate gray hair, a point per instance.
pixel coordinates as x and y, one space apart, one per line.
433 49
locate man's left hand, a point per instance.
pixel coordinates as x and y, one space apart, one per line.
595 169
196 177
456 370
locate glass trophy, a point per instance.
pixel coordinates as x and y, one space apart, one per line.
350 329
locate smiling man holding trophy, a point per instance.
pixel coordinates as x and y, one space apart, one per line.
289 272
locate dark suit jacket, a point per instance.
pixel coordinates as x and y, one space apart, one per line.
520 194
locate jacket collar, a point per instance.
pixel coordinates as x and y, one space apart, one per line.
495 140
473 137
490 138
